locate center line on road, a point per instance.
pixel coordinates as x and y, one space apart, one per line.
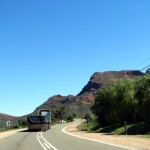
41 143
48 142
44 143
47 146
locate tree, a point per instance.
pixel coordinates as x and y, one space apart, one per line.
142 94
126 104
69 118
58 113
115 103
104 105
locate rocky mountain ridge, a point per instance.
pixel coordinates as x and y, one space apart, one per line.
81 103
99 79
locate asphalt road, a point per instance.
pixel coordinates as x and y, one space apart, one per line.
53 139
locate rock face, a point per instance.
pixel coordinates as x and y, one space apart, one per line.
81 103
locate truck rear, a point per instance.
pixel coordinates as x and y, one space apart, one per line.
42 121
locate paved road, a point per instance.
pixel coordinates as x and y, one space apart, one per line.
53 139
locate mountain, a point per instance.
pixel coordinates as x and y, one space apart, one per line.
81 103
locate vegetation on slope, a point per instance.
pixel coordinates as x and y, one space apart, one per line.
125 100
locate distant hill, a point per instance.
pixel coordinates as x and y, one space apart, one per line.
81 103
4 118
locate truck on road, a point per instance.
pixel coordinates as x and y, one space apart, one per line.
41 121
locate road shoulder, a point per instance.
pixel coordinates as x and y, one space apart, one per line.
133 142
9 133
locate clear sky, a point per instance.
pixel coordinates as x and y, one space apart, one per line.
50 47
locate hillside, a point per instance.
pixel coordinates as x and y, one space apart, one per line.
81 103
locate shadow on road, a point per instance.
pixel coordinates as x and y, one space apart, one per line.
30 130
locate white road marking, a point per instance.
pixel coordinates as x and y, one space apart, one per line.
47 146
94 140
48 142
41 143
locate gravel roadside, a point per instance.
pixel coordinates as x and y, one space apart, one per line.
135 142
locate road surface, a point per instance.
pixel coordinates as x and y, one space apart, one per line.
53 139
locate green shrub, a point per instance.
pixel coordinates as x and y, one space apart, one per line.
91 125
15 127
22 122
69 118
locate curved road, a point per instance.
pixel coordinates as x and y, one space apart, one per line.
53 139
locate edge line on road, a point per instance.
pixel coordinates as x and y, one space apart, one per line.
94 140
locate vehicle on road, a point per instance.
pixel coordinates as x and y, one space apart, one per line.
42 121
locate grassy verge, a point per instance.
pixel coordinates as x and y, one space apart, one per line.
141 129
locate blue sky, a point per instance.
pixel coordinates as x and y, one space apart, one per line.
53 47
